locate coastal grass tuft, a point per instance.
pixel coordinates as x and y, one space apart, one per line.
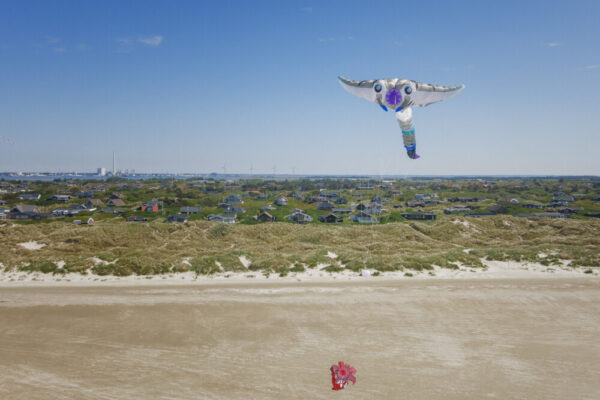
157 247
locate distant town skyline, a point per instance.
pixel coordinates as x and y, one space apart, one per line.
195 87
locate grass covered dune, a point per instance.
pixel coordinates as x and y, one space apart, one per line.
112 247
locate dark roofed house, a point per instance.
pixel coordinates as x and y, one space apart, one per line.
325 205
30 196
115 211
533 205
300 217
178 218
93 203
330 218
281 201
115 202
544 215
190 210
25 209
226 218
415 203
235 209
457 209
233 199
463 199
363 218
376 199
341 210
151 206
85 194
563 198
374 208
2 202
569 210
340 200
137 219
480 214
497 209
419 216
61 197
265 217
75 208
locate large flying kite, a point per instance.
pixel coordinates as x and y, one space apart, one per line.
401 95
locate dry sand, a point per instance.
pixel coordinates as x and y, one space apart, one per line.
522 338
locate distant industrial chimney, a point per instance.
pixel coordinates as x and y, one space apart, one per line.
114 170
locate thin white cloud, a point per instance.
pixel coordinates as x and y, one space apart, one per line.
326 39
307 10
59 49
594 66
151 40
52 40
553 44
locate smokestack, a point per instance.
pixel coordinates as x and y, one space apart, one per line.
114 170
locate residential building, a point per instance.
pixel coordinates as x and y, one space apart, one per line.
190 210
226 218
151 206
363 218
419 216
233 199
330 218
178 218
325 205
30 196
115 202
93 203
281 201
264 216
300 217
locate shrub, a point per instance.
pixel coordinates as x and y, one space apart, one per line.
333 268
204 265
297 268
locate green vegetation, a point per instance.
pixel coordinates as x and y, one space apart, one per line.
113 246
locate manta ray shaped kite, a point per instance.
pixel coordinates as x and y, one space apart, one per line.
401 95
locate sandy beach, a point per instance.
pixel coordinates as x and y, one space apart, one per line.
525 338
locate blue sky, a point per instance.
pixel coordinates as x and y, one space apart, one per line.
193 86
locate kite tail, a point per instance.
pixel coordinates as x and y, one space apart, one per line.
408 136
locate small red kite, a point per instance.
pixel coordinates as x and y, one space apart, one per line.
341 374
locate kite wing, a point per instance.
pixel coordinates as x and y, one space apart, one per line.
427 94
362 89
